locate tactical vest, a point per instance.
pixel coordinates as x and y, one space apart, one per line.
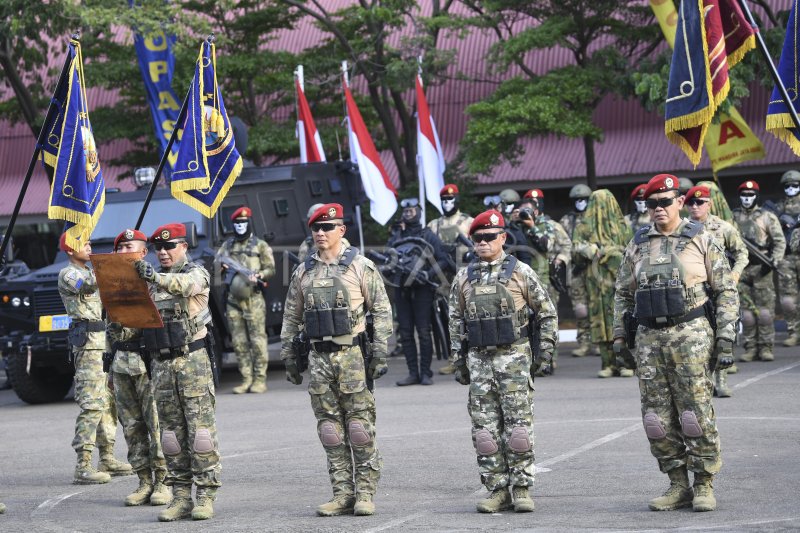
661 292
328 313
491 317
179 329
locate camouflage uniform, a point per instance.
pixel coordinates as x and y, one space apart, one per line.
763 229
247 319
637 220
673 361
97 419
501 388
342 404
184 385
305 248
789 273
577 281
448 228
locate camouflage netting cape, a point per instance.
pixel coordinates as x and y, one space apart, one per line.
720 206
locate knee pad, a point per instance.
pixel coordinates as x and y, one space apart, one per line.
654 427
519 442
748 318
330 434
581 311
169 443
485 443
788 304
764 316
203 443
358 433
690 425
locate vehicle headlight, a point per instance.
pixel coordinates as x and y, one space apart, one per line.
16 301
26 302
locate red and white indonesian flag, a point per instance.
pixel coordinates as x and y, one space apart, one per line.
430 159
310 144
380 191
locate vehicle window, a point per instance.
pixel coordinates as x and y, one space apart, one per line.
118 216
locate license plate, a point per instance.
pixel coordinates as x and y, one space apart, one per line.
54 322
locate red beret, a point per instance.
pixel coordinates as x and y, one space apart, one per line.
327 212
451 189
62 243
534 193
130 235
661 183
167 232
242 212
698 191
749 185
638 191
487 220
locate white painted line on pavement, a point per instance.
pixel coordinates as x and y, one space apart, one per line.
394 523
586 447
46 506
759 377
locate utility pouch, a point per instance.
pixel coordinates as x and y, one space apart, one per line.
644 308
506 332
676 303
78 334
178 336
325 318
474 337
155 338
658 301
488 332
341 321
311 321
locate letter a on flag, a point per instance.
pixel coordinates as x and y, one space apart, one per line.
208 162
379 190
310 143
430 158
77 193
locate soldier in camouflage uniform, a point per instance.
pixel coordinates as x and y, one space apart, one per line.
134 396
576 284
789 266
97 421
246 309
699 203
639 216
498 361
329 295
599 241
763 230
448 227
307 246
668 274
182 375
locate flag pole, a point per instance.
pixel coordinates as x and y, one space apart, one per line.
420 172
165 156
762 46
51 108
358 204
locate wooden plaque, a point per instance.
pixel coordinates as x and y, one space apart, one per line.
125 296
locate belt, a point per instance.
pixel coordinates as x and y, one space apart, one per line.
175 353
330 346
92 326
130 346
662 322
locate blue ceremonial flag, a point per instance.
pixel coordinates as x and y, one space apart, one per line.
157 64
77 194
779 121
208 162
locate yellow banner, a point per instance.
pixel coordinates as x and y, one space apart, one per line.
731 141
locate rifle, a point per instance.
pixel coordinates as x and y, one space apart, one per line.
788 222
558 277
365 340
292 257
211 350
533 339
384 263
757 255
231 267
301 346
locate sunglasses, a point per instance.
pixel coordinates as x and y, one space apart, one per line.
324 226
652 203
166 245
791 185
409 202
695 201
485 237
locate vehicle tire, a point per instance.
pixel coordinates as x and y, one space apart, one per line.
42 385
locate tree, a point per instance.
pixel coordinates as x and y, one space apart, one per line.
604 37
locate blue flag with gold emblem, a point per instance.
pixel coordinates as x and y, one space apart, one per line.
779 121
77 194
208 162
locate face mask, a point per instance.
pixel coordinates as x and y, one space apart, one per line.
792 190
641 206
449 205
240 228
580 205
747 201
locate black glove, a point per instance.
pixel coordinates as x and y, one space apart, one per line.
622 353
145 270
545 362
723 353
422 277
541 243
292 373
377 367
462 372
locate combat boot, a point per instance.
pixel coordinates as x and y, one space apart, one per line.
721 388
85 474
626 373
204 508
2 508
447 369
110 464
523 503
161 493
607 372
791 340
582 351
142 494
339 505
498 500
765 353
678 494
364 505
181 505
704 493
247 381
259 386
748 355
